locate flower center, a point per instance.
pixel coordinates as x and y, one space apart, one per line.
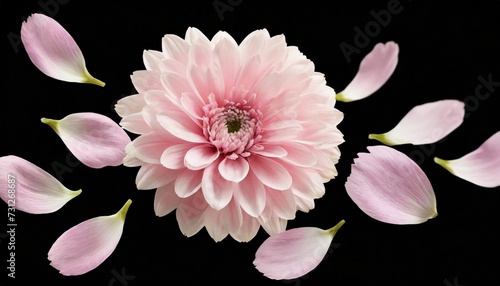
233 128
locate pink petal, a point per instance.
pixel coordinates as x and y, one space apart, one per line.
188 182
181 126
216 190
201 156
390 187
166 200
151 176
28 188
270 173
425 124
96 140
374 70
248 230
252 195
85 246
53 51
189 214
480 167
295 252
234 170
173 156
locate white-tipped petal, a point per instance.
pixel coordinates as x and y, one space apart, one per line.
28 188
85 246
295 252
53 51
374 70
390 187
96 140
425 124
480 167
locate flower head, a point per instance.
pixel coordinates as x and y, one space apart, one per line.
232 136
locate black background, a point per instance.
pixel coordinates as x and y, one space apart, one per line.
444 49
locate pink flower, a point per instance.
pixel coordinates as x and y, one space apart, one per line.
233 137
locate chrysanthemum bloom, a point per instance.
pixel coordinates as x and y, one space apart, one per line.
232 137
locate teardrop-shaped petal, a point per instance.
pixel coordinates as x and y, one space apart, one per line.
53 51
96 140
374 70
295 252
425 124
480 167
85 246
28 188
390 187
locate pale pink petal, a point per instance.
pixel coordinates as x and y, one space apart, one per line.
96 140
390 187
188 182
181 126
295 252
189 214
270 173
248 230
53 51
28 188
151 176
166 200
374 70
173 156
200 157
425 124
152 60
150 147
252 195
217 191
234 170
232 216
480 167
282 203
130 104
299 155
214 224
85 246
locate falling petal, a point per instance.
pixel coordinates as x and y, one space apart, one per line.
480 167
53 51
425 124
94 139
295 252
86 245
29 188
390 187
374 70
